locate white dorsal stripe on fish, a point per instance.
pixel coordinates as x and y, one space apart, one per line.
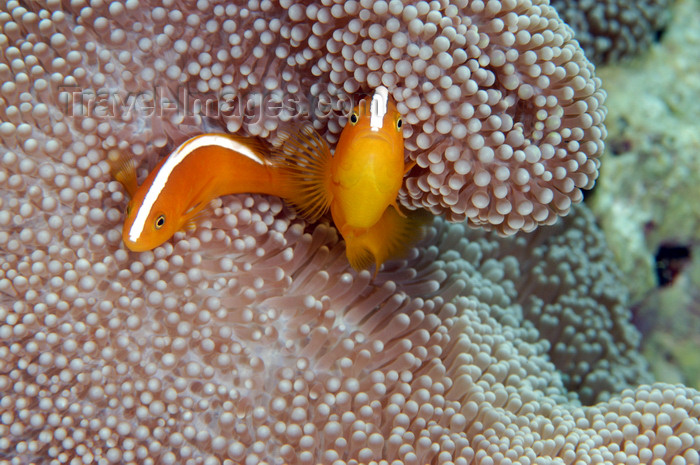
378 108
175 158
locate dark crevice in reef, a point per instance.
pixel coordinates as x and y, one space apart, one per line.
670 261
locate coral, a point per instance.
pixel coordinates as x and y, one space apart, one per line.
653 139
614 30
504 114
645 197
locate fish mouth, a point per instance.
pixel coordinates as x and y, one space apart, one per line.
375 142
134 246
376 136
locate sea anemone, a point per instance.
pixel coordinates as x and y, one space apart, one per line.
251 340
504 113
614 30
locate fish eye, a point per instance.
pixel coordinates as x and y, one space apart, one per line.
160 221
399 123
354 117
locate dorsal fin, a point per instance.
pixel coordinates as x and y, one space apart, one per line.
305 160
254 143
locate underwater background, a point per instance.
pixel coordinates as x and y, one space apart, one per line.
546 315
644 197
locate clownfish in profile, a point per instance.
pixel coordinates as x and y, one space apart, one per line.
181 185
359 183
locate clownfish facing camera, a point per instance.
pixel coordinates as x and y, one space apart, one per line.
199 170
359 183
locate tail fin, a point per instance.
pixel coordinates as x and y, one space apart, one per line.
391 237
304 158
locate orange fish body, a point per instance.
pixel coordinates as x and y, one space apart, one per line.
181 185
368 168
359 183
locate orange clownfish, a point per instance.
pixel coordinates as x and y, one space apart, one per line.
181 185
359 183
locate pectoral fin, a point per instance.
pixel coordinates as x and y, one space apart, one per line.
305 161
398 210
123 169
195 214
408 167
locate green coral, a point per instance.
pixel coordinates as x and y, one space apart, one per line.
649 186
